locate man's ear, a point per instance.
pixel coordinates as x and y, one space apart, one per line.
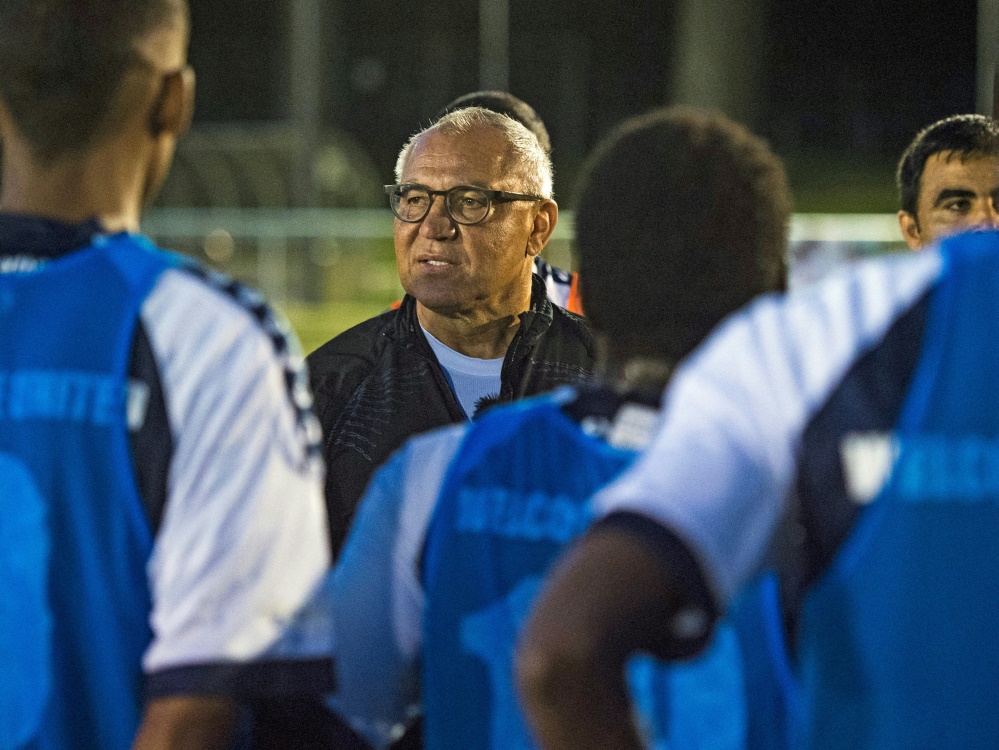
544 224
5 119
174 106
910 230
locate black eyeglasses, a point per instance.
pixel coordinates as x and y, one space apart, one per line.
465 204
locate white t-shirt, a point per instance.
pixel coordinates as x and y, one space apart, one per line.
471 379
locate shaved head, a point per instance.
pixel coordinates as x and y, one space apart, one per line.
63 63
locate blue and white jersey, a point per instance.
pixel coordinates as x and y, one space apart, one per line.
864 407
562 286
446 555
109 609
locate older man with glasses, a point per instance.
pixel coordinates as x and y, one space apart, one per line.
473 208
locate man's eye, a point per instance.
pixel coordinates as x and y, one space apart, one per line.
469 202
415 200
961 205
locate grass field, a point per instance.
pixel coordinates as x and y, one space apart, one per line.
316 324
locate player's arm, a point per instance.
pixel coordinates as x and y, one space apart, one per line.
187 724
243 550
619 590
375 684
377 596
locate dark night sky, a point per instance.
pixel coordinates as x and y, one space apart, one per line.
868 75
843 77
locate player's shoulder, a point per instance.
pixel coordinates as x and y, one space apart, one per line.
204 306
194 288
776 361
405 489
208 330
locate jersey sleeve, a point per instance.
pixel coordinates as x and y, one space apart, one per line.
377 597
719 472
243 543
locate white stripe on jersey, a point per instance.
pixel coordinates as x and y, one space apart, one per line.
244 537
720 470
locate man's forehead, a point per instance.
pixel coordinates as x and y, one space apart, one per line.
951 160
476 151
971 170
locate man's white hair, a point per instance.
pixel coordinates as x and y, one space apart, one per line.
532 164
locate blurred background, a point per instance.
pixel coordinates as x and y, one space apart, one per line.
302 107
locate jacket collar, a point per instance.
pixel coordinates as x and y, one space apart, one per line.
534 322
42 238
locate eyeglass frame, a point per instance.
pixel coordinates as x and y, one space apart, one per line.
492 196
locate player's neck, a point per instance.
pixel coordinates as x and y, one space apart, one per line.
96 185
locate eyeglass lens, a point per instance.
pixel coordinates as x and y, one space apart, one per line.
465 205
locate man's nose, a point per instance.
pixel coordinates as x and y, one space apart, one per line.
990 218
437 223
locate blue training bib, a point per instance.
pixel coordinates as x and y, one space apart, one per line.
74 538
898 645
516 493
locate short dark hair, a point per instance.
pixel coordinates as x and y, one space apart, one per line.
960 135
62 63
681 218
506 104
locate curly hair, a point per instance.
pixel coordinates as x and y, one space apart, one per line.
681 218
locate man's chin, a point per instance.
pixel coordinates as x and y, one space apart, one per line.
437 298
446 308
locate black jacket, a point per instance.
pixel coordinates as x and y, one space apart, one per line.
379 383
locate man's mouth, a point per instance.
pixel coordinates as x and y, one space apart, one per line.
434 261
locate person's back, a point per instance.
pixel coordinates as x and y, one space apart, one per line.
863 407
500 519
69 494
500 522
155 433
907 578
477 513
